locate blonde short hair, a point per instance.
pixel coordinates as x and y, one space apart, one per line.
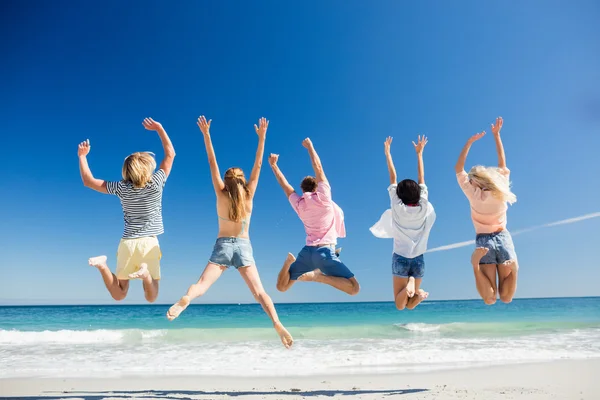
492 180
138 168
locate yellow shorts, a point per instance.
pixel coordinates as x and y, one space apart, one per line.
133 252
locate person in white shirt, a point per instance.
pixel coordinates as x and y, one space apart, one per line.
408 222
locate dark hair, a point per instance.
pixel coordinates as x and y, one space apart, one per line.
409 191
309 184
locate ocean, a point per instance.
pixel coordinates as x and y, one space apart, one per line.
330 338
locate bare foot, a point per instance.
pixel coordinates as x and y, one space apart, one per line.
422 294
285 336
477 255
410 287
98 262
289 260
141 273
310 276
178 308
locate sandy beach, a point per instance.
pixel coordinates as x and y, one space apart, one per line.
572 380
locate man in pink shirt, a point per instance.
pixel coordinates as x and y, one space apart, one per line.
324 222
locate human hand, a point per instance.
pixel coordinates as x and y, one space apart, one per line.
273 158
151 124
387 145
497 126
84 148
307 143
261 129
204 125
420 145
476 137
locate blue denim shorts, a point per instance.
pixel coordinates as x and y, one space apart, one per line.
403 267
232 252
323 258
500 245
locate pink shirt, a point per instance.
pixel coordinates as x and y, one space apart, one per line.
323 219
487 212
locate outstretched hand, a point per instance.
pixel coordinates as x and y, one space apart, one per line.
388 144
420 145
84 148
476 137
151 124
204 125
497 126
307 143
261 129
273 159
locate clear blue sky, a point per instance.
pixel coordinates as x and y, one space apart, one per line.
347 74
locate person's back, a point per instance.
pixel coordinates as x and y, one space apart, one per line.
142 206
411 223
322 218
229 228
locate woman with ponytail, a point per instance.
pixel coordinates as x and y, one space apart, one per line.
489 194
235 198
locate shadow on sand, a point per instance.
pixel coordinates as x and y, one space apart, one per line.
186 394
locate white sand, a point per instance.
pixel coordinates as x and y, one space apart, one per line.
572 380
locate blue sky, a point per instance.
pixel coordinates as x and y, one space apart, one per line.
347 74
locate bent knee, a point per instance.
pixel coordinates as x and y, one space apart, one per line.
506 299
400 307
355 289
489 300
151 299
283 288
118 296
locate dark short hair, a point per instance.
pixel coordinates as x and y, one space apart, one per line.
308 184
409 191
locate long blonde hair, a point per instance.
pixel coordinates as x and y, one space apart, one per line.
138 168
490 179
235 186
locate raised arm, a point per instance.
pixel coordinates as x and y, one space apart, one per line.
315 160
261 131
287 188
167 162
419 146
462 158
87 177
390 163
499 146
212 159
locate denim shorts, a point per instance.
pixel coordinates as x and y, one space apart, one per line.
323 258
403 267
232 252
500 245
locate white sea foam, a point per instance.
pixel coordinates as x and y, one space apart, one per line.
134 352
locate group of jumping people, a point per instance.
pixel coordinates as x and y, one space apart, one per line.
408 222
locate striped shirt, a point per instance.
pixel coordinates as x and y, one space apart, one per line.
142 207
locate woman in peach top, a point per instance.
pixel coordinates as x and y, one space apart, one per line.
489 193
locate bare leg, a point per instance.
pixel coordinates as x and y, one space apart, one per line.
117 288
400 295
507 280
150 285
486 285
211 273
349 286
419 296
283 279
252 279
